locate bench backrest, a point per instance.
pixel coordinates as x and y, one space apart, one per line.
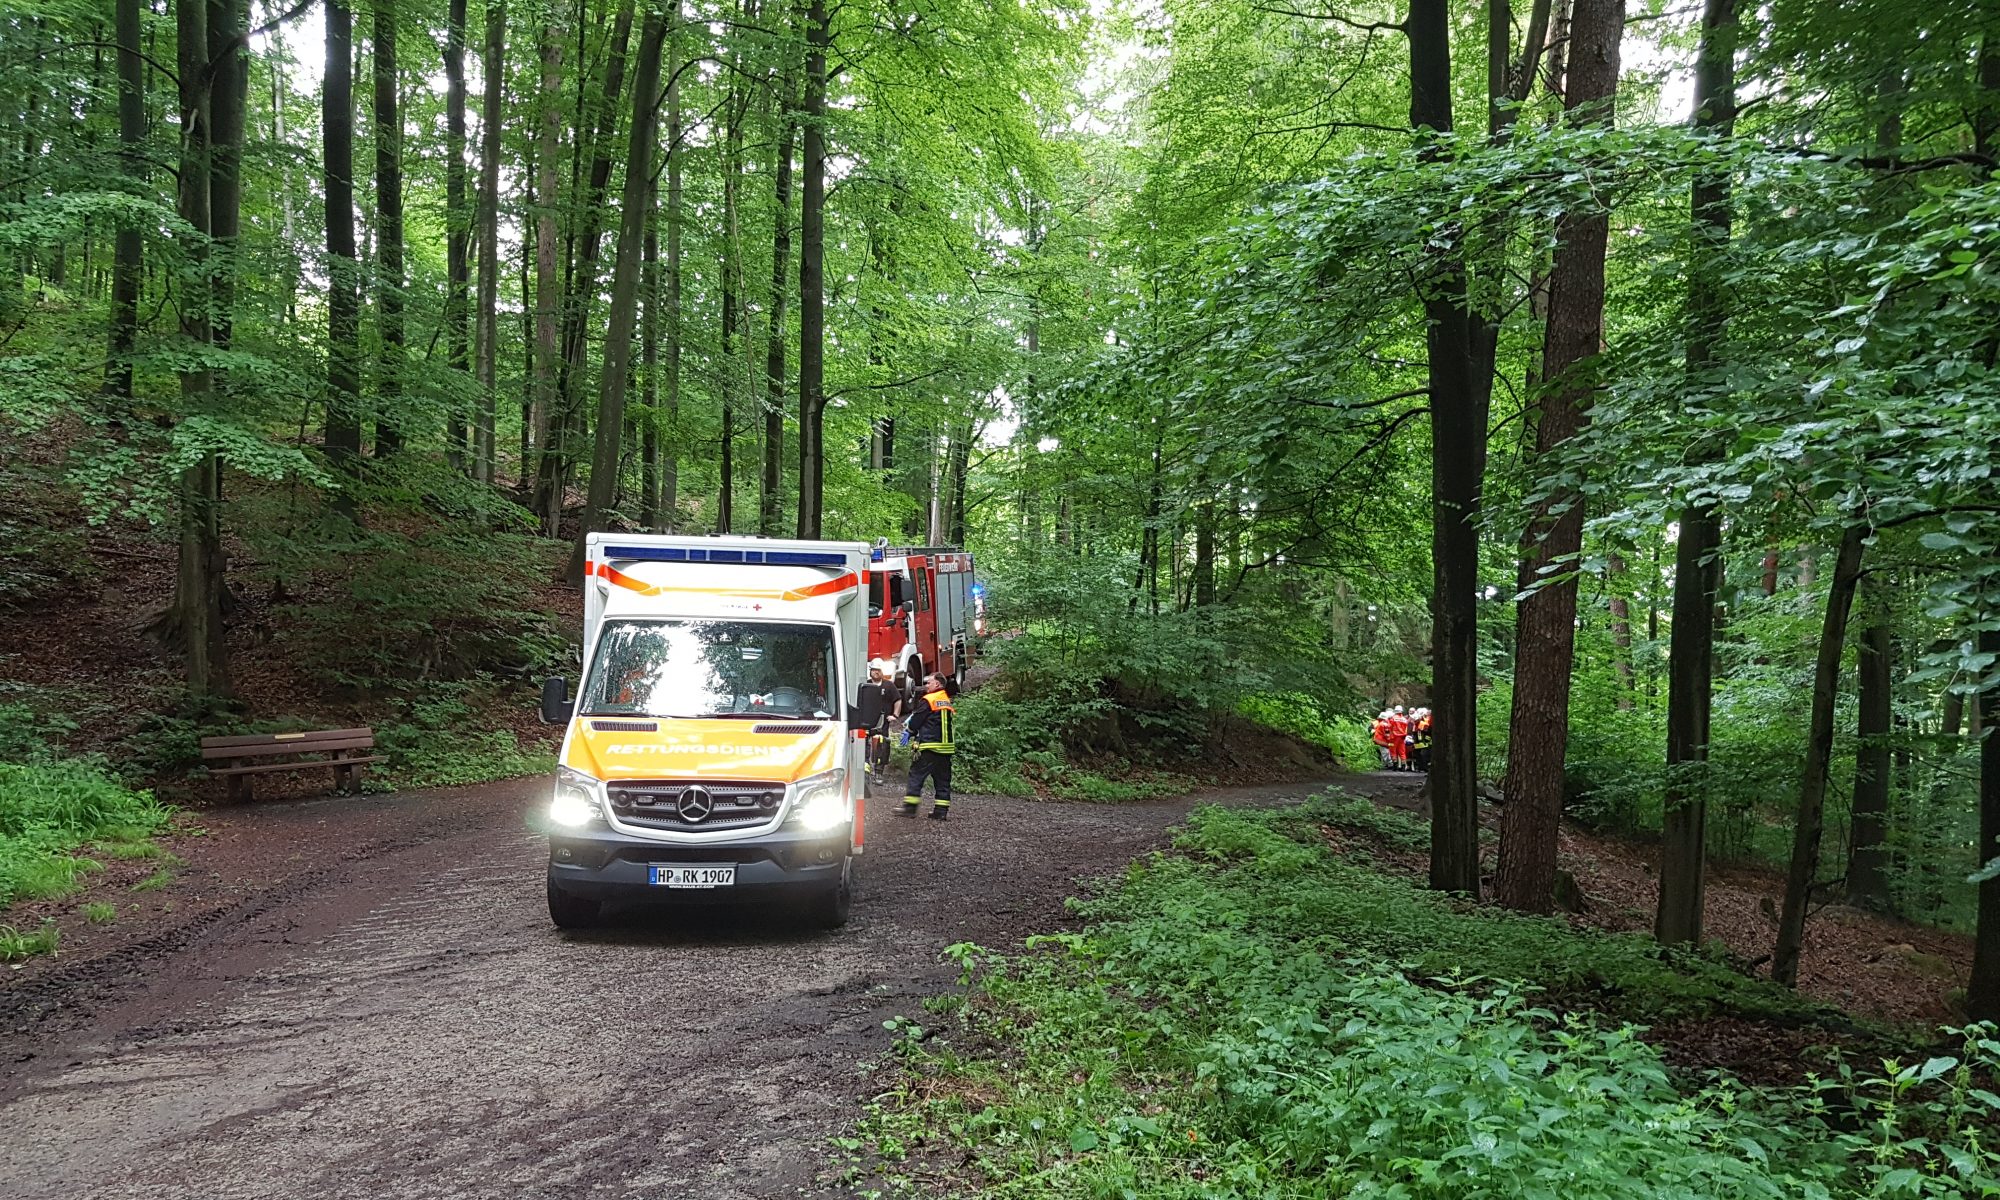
270 745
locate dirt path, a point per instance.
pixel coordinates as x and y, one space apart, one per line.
400 1020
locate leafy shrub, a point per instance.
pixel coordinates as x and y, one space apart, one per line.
1391 826
1255 1018
441 743
48 809
1295 713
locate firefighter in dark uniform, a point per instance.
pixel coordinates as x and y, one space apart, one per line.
929 725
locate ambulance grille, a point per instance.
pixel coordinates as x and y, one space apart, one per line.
784 729
656 804
625 726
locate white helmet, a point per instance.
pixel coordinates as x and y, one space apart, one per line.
885 665
1399 709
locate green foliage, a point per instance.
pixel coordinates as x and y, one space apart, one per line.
49 809
15 945
1348 740
1254 1018
439 606
1393 827
100 913
442 742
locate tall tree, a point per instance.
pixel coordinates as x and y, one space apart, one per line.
649 371
1458 443
580 280
1982 1000
671 402
613 377
771 509
812 273
1868 852
729 315
1810 823
494 67
548 282
343 308
458 223
196 616
129 247
1697 562
387 123
1545 636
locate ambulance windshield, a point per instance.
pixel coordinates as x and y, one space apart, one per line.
696 668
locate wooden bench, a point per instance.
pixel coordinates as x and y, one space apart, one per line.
344 750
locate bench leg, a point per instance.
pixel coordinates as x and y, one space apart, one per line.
238 788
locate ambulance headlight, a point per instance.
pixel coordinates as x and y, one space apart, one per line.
819 802
575 801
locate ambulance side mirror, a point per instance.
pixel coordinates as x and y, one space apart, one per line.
909 606
556 704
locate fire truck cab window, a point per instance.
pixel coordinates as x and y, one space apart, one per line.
886 592
923 591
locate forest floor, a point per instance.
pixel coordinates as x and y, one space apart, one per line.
1875 967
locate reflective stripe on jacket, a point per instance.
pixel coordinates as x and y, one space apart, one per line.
930 725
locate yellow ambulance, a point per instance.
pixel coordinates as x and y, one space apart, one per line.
710 753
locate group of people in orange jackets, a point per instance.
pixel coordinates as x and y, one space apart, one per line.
1404 739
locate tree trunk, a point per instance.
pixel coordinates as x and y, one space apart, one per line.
1697 565
1982 999
961 468
616 368
458 228
649 370
771 514
1545 638
1868 854
548 285
343 355
670 466
812 278
228 96
196 617
1810 823
1458 441
580 290
1621 633
127 271
494 67
388 130
732 301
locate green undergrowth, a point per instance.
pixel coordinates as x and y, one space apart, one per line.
56 813
1250 1016
1307 719
445 738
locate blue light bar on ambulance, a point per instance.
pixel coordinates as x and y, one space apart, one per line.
767 558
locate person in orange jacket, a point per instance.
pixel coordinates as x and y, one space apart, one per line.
1399 728
1380 731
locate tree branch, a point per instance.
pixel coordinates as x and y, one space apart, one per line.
1362 26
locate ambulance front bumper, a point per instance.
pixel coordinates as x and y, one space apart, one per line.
601 863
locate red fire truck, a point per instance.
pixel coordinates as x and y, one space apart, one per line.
925 607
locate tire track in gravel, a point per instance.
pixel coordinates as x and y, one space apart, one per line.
408 1025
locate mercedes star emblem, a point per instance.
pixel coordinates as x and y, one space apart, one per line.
695 804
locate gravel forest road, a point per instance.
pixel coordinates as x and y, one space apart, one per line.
403 1021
